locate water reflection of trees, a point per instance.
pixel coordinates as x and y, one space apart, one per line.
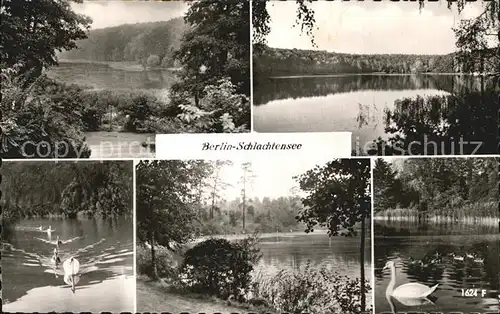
407 228
283 88
460 124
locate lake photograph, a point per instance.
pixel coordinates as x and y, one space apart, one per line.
436 235
68 237
258 236
102 87
431 89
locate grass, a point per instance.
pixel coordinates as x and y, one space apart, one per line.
153 296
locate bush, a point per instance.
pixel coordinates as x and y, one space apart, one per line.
41 119
310 290
165 262
220 268
221 110
153 60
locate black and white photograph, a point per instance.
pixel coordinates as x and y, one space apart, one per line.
67 237
98 79
265 236
436 235
406 78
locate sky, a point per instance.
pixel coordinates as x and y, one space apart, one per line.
114 13
371 27
273 177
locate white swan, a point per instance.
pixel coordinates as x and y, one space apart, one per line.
469 255
55 258
457 258
71 266
49 230
479 260
40 228
412 290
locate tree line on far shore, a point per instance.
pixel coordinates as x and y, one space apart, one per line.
454 188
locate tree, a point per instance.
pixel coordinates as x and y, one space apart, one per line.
216 184
166 199
261 19
384 185
216 46
33 31
338 197
245 179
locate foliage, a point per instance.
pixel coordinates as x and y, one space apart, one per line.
153 60
436 125
45 188
131 42
219 267
311 290
31 33
40 119
438 186
338 195
221 110
215 47
166 202
165 264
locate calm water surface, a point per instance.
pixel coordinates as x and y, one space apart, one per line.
104 250
292 251
101 76
119 144
398 241
352 103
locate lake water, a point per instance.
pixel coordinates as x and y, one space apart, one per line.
102 76
337 103
292 250
104 250
119 144
398 241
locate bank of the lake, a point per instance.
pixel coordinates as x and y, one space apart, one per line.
155 295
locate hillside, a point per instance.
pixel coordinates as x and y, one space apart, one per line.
132 42
276 61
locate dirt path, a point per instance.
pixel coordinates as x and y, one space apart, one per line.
154 299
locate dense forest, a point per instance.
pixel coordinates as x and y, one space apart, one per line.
151 44
436 188
276 61
43 189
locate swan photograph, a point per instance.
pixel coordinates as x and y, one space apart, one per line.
67 241
436 236
348 66
265 235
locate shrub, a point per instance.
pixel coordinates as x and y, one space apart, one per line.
153 60
310 290
165 262
40 120
221 110
219 267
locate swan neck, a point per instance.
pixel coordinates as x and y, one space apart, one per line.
392 282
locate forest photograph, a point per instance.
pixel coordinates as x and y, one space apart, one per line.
265 236
99 79
67 236
436 234
405 78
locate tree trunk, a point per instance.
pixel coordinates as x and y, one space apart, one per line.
362 264
153 257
